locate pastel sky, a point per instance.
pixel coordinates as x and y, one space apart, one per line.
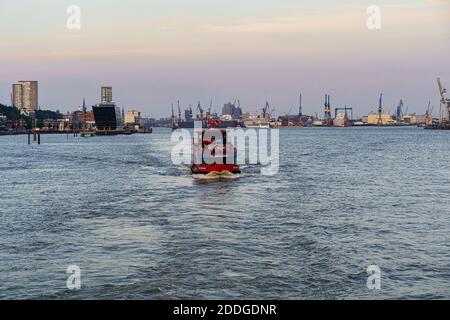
156 52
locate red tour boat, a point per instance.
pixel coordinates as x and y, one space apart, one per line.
212 153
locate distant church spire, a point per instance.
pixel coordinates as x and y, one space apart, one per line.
84 105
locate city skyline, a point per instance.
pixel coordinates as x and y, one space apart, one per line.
155 54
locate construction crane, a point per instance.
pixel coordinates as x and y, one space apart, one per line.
380 111
444 112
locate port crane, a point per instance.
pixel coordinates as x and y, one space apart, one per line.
444 107
199 107
327 110
400 113
380 111
265 109
179 111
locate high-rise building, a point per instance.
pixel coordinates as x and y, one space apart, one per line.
25 96
107 95
17 95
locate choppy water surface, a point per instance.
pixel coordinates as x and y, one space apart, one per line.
142 228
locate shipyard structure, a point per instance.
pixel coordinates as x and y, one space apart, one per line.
443 123
230 118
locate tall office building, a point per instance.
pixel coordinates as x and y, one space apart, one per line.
17 96
25 96
107 95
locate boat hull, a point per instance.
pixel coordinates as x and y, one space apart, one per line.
205 169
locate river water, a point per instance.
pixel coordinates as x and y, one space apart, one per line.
140 227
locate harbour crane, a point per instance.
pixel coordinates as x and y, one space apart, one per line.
199 107
327 110
265 109
179 111
400 113
380 110
444 111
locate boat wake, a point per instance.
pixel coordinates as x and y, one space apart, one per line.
216 175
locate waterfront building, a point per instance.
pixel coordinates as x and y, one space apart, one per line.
228 109
374 118
3 121
415 119
132 117
25 96
108 116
